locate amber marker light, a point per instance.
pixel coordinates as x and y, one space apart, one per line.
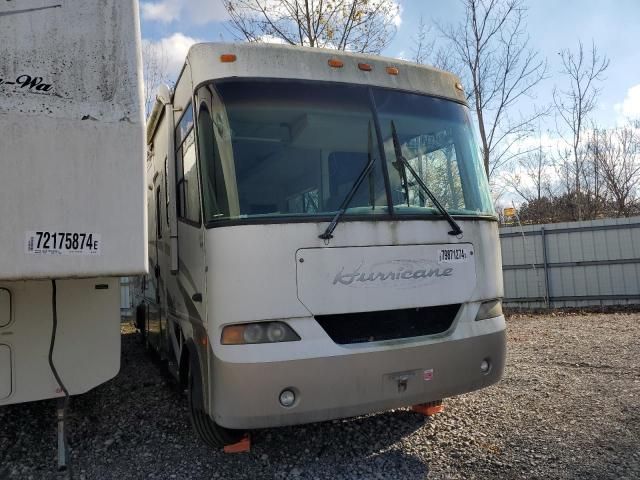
228 58
365 67
393 70
335 63
233 335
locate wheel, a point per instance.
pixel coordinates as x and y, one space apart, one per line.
209 431
141 314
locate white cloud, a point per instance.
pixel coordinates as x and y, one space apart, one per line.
199 12
169 53
272 39
205 11
629 108
166 11
550 143
397 18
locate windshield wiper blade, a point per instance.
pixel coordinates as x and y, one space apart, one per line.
328 233
455 228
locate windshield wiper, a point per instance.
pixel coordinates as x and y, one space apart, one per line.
456 230
328 233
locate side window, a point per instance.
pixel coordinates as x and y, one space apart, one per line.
186 171
158 213
167 199
214 193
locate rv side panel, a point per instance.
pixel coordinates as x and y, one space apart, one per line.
71 149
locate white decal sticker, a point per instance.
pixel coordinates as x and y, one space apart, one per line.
44 242
428 375
453 255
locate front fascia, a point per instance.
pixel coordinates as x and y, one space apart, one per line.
252 269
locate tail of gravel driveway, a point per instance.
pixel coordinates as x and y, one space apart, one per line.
568 407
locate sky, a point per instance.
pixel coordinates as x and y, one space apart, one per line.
552 25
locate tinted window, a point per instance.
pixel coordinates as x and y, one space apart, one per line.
186 171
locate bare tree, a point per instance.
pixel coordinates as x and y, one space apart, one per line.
617 153
154 65
427 51
423 42
492 50
573 106
532 179
355 25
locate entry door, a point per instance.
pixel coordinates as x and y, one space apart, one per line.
154 327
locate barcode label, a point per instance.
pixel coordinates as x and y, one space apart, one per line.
44 242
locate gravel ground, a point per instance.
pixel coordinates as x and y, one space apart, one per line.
568 407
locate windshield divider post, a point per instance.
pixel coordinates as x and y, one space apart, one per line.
383 155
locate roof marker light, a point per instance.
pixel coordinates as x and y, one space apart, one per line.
459 86
393 70
228 58
335 63
365 67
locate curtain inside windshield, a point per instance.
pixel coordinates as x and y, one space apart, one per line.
296 149
287 149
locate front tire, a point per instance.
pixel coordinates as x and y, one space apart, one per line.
209 431
141 317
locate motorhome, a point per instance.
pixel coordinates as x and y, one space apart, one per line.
72 191
322 239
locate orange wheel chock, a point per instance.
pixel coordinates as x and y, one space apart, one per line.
429 409
243 445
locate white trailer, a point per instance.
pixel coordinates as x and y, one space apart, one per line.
322 238
72 183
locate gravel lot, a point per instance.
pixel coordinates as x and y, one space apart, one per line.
568 407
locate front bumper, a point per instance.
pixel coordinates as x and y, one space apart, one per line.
246 395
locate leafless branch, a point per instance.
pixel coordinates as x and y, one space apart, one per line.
574 104
154 64
491 50
354 25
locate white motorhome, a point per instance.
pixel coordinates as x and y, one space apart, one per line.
322 239
72 183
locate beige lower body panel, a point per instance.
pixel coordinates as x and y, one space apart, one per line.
87 347
246 395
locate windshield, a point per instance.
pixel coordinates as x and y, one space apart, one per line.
296 149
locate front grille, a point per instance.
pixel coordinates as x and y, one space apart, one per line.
363 327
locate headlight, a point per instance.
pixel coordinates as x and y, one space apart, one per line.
263 332
489 309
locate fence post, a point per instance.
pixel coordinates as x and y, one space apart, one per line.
546 268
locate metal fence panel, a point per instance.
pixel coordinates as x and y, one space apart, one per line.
572 264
